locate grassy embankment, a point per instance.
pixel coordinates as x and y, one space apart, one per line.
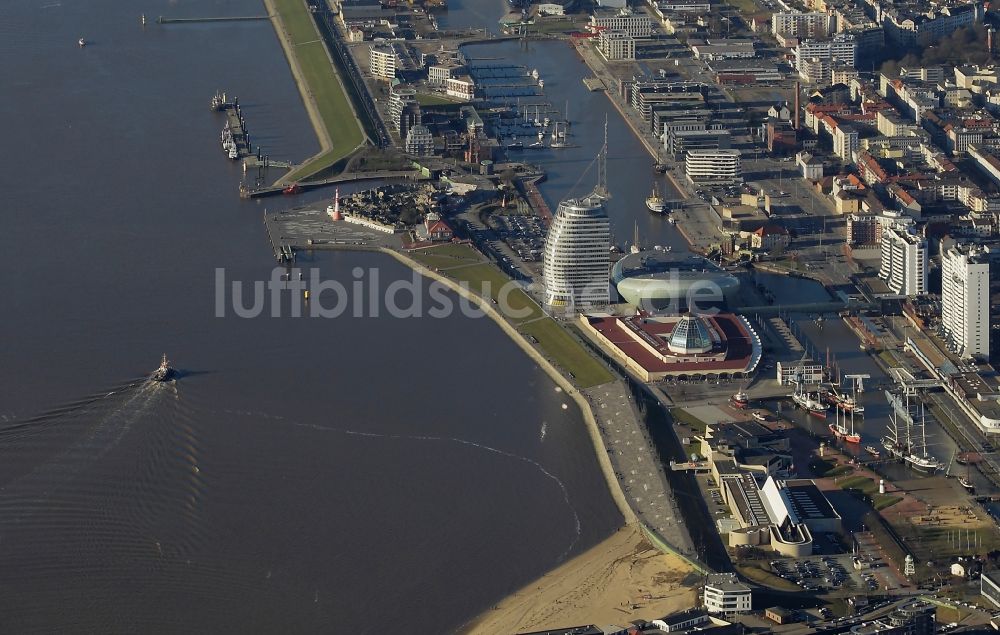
686 418
463 264
868 488
756 572
319 76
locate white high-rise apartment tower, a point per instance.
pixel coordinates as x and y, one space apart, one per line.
965 301
577 255
904 261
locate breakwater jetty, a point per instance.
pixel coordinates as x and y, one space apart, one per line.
346 177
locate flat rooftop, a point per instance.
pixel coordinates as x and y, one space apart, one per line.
635 336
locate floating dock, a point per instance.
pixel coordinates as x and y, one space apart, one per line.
237 126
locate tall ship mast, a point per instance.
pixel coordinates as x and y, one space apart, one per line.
907 437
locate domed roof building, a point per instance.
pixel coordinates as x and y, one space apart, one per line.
689 337
718 346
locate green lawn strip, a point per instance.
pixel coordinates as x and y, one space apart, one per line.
488 281
765 578
434 100
435 261
688 419
463 252
863 484
567 352
320 78
884 501
747 7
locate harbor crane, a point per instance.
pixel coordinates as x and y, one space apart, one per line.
859 381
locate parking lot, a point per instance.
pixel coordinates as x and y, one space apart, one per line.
524 234
823 573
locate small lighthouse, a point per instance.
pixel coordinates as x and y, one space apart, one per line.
334 210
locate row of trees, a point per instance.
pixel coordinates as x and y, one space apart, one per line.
962 46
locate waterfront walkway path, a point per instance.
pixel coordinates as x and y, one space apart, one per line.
637 465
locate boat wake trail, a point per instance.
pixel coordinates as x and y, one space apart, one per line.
577 529
479 446
56 472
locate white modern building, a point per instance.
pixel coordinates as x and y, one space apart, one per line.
965 301
576 259
420 141
713 166
462 87
382 61
838 51
802 24
904 261
616 45
845 142
724 593
639 25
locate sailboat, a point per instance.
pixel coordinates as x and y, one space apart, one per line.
558 137
839 428
655 203
910 442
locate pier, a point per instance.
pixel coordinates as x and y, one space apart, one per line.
311 228
347 177
235 130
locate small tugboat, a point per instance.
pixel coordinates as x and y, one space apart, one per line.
164 372
218 101
740 400
660 168
292 189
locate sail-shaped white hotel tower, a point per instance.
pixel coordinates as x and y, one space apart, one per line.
576 256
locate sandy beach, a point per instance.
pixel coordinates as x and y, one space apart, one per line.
622 579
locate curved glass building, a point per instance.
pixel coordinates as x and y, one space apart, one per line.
667 281
576 256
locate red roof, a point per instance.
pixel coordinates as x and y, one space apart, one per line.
735 340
